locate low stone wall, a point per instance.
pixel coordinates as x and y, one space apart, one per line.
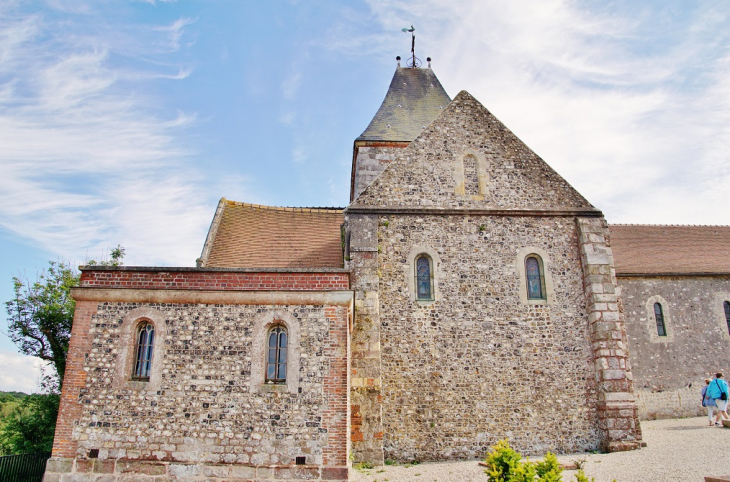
682 402
60 469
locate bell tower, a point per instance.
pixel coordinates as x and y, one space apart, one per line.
414 99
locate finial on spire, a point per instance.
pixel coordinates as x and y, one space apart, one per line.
414 62
398 60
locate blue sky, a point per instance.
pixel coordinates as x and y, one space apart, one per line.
125 122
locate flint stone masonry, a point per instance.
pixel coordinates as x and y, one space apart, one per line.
669 374
425 174
203 412
478 364
370 160
455 375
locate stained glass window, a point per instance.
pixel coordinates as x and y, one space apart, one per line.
534 279
659 315
145 342
276 359
424 285
726 305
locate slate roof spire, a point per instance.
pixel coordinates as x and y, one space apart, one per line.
414 99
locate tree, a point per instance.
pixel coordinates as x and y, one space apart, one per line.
30 425
41 313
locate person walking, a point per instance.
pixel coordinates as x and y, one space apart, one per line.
718 390
708 402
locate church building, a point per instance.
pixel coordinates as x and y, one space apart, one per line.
466 294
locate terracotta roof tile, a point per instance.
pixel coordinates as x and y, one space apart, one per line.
254 236
657 249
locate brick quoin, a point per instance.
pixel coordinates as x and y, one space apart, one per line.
213 280
74 380
334 418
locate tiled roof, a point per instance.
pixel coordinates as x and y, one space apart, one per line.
414 99
657 249
253 236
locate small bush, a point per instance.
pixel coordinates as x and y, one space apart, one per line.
502 461
549 469
580 476
506 465
360 466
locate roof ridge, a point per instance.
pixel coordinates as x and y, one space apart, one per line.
671 225
286 208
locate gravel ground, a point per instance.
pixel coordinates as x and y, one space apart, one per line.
683 450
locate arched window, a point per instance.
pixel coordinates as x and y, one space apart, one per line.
143 358
535 278
726 305
471 175
276 359
424 280
661 329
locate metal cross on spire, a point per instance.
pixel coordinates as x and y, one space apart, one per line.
414 61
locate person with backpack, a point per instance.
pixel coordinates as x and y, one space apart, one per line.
708 402
718 390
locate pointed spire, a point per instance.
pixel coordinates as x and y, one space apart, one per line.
414 99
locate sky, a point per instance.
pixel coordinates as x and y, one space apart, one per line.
124 122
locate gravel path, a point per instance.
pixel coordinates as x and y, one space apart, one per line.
682 450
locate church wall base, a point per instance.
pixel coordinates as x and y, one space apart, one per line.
59 469
679 403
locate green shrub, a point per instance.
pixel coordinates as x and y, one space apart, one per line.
549 469
501 461
505 465
523 472
580 476
361 466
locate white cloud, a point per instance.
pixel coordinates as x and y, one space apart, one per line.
631 105
290 86
175 32
20 373
87 164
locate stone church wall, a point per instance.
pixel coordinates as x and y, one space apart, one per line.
669 371
205 411
370 160
481 362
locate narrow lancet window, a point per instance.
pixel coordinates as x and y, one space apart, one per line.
424 282
726 305
661 329
471 176
535 287
276 359
143 360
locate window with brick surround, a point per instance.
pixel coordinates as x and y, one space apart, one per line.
661 328
535 278
276 357
143 353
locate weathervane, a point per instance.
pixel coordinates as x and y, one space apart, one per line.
414 62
